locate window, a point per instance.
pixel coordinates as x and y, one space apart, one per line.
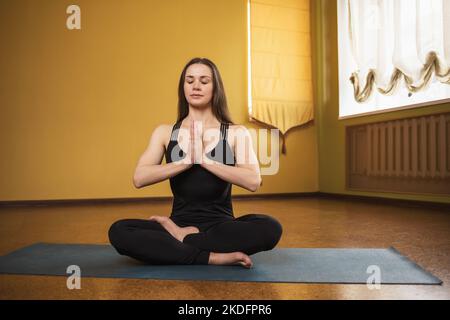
393 39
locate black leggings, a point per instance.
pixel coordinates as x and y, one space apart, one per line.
149 242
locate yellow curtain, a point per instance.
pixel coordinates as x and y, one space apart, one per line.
280 61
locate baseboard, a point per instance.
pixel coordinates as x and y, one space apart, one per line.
144 199
390 201
257 196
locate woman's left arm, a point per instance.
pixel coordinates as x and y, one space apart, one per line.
246 172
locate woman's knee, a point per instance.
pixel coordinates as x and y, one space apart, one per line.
268 228
272 232
116 232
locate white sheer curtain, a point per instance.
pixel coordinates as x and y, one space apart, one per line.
394 41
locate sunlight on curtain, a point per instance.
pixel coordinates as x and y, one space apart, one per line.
280 64
398 41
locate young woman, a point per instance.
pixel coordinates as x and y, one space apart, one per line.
201 228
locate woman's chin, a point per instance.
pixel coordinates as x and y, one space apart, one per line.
198 105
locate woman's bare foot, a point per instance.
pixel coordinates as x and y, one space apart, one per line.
176 231
231 258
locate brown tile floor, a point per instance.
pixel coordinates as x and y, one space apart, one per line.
422 235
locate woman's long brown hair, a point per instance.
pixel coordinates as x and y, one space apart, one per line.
219 101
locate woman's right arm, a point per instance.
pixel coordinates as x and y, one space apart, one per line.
149 169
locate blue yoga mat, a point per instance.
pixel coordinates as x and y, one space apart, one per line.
302 265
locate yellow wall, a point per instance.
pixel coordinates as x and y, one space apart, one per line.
78 107
331 133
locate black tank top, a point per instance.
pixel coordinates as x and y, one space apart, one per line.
200 197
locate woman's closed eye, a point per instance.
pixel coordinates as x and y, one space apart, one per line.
204 82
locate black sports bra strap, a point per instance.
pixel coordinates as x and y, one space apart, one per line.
175 131
224 130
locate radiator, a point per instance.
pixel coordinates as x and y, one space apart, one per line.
412 149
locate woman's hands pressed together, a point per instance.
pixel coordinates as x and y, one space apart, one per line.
196 153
